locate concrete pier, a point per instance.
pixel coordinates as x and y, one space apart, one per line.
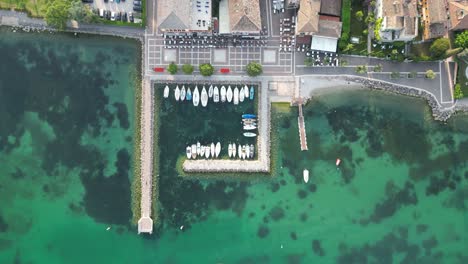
301 125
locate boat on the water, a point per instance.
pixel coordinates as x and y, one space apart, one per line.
196 96
204 97
252 92
252 149
239 151
246 91
236 96
243 152
216 94
223 94
305 175
177 93
194 151
249 134
207 152
249 116
218 149
241 95
210 91
166 91
188 95
229 94
182 93
202 151
212 150
250 127
247 151
230 150
338 161
247 120
188 151
233 150
198 148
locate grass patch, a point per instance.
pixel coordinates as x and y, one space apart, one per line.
420 51
346 16
461 78
353 27
34 8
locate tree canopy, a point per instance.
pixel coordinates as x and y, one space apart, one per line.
57 14
439 47
206 69
462 40
254 69
430 74
172 68
187 68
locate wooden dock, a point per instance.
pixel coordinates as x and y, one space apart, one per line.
301 125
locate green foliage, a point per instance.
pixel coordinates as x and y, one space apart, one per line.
343 42
346 17
348 47
308 62
430 74
378 68
361 69
370 19
439 47
187 68
81 12
412 74
343 62
206 69
395 75
378 25
462 40
458 91
452 52
359 15
172 68
254 69
365 32
57 14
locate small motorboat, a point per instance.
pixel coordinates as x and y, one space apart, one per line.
204 97
250 127
252 92
210 91
234 150
202 151
166 91
108 228
241 95
246 91
243 152
250 123
212 150
229 94
249 116
252 149
239 151
182 93
198 148
216 94
248 120
194 151
230 150
218 149
188 95
188 152
207 152
305 175
249 134
236 96
338 161
177 93
247 151
196 97
223 94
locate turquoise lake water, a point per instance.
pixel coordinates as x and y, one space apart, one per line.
66 126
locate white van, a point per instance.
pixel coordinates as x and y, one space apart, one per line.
101 12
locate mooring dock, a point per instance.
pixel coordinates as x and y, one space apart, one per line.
301 125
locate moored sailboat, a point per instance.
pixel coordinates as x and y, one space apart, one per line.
196 96
216 94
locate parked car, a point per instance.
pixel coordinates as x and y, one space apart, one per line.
118 1
87 1
105 1
124 17
130 17
117 16
137 8
112 16
137 3
108 14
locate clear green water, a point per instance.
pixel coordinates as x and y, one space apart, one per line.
399 196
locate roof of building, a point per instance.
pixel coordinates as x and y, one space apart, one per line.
395 12
308 16
244 16
331 8
458 14
437 11
329 28
173 14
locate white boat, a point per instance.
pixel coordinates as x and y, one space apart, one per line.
166 91
198 148
223 94
216 94
212 150
243 152
194 151
202 151
233 150
218 149
305 175
247 151
210 91
252 149
182 93
338 161
188 152
249 134
250 127
239 151
241 95
196 96
230 150
229 94
236 96
246 91
188 95
204 97
177 93
207 152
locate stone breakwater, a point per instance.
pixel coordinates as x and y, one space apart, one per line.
438 112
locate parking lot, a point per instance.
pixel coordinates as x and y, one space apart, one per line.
124 10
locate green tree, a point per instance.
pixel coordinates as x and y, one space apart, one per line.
172 68
378 68
458 91
56 14
77 11
348 47
206 69
430 74
361 69
359 15
254 69
308 62
462 40
412 74
187 68
395 75
439 47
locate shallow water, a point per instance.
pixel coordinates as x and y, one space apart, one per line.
399 195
